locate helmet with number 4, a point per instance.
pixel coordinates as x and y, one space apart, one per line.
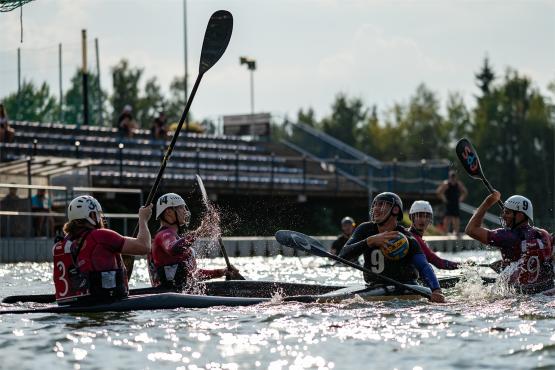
522 204
169 200
81 207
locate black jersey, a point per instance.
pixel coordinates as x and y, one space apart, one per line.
402 270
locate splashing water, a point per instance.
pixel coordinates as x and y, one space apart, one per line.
472 287
209 228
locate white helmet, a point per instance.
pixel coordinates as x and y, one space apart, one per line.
520 204
81 207
168 200
421 206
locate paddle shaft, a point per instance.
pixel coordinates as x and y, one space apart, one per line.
490 188
238 276
169 151
224 252
129 261
381 277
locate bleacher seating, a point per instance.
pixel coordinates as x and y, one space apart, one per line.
223 161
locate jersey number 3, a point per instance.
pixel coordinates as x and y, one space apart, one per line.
62 278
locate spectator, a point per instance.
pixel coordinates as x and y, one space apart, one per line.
11 225
452 192
158 128
41 203
7 133
126 123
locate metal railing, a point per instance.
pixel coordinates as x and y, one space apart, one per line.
18 217
407 176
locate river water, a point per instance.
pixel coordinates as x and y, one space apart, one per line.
479 328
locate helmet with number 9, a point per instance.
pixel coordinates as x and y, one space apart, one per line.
522 204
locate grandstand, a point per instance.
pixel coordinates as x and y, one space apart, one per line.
304 170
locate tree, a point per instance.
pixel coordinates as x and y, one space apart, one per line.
307 117
347 116
34 104
459 120
176 102
150 104
73 108
514 135
126 87
485 77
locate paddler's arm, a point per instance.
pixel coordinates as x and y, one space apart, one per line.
355 245
436 260
428 275
474 228
141 244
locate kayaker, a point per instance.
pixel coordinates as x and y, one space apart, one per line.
88 268
172 261
421 215
526 250
347 227
371 240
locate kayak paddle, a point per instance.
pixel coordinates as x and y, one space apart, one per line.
216 39
471 163
305 243
220 241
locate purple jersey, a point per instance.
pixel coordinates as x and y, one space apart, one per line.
531 248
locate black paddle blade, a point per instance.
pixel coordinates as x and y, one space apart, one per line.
301 242
216 39
469 158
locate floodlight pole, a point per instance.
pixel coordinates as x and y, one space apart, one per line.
85 79
186 76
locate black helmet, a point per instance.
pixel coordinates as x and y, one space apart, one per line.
392 198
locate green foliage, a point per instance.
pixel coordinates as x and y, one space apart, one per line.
126 88
73 104
511 126
32 103
149 104
348 115
514 136
176 101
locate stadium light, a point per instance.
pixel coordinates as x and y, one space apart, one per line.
77 144
251 66
120 146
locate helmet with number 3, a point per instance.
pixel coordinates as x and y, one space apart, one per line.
522 204
81 207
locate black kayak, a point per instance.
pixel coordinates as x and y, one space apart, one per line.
227 293
228 288
160 301
224 293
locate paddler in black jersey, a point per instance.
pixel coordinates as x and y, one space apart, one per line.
370 239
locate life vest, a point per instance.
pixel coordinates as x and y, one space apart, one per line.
533 271
77 282
171 271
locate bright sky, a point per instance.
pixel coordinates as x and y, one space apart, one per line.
307 51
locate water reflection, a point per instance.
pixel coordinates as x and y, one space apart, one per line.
479 327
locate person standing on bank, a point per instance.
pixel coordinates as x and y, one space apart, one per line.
371 239
452 192
88 268
172 262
